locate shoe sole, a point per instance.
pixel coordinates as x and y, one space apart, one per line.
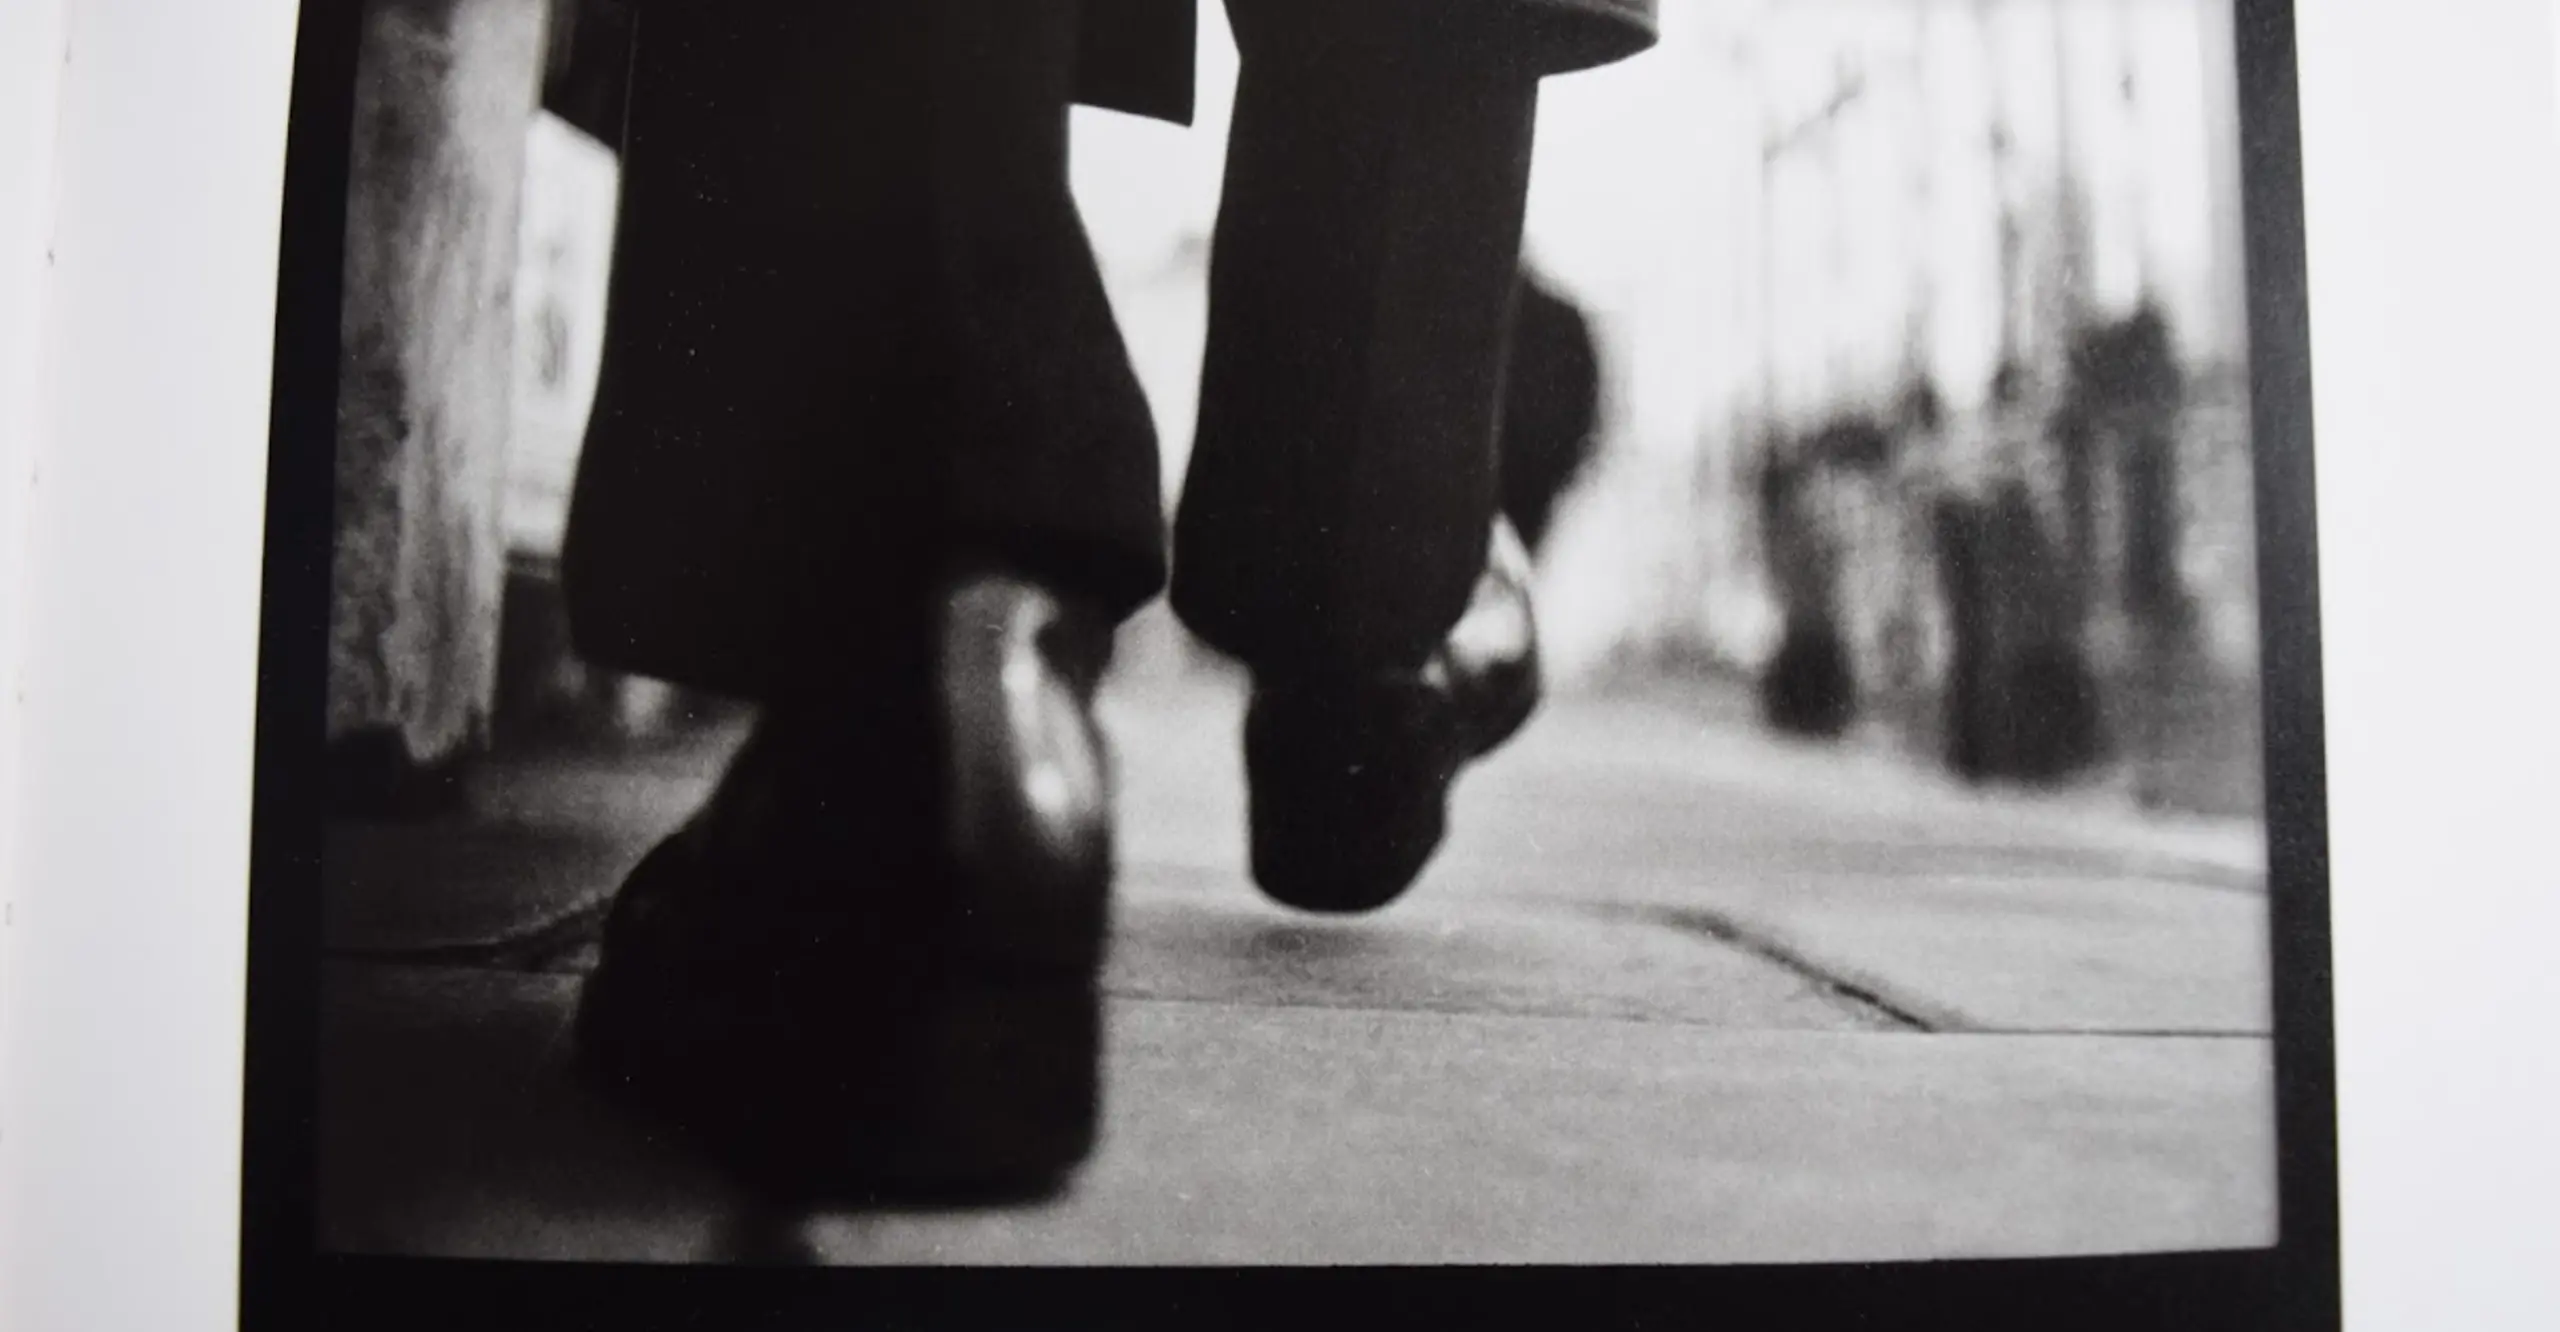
967 1093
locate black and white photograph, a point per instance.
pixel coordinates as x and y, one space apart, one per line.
1293 664
1289 633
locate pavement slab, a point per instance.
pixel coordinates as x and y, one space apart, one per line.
1206 938
1681 772
1311 1136
1958 908
541 837
1675 991
1964 953
1296 1135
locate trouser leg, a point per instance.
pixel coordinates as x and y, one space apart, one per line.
1344 472
856 333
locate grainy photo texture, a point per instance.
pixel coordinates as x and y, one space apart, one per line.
1295 632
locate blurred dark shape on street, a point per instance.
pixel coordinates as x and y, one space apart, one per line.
1809 686
2021 702
1551 406
2125 379
1855 442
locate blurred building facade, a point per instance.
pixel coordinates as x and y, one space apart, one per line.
1797 217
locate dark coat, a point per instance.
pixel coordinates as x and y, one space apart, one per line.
1137 55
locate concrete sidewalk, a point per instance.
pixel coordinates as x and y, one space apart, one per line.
1676 992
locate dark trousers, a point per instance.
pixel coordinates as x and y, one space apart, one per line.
857 337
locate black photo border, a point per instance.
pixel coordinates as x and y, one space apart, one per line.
287 1282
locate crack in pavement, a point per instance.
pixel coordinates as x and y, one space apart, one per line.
1865 999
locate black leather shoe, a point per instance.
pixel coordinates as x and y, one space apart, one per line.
866 970
1350 777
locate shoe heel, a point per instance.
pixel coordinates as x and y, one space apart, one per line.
1346 809
998 1095
972 1092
